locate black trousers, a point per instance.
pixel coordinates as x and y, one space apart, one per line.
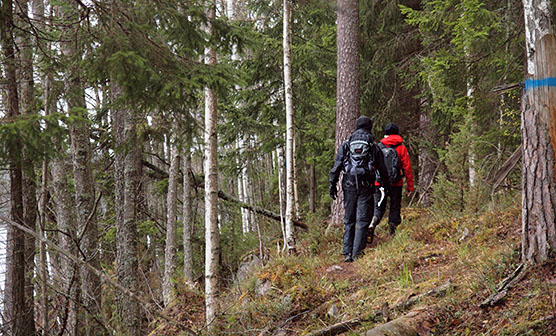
358 205
395 205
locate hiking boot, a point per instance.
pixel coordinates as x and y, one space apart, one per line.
359 255
371 231
348 258
391 229
374 222
370 235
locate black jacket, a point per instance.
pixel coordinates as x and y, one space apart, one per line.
376 156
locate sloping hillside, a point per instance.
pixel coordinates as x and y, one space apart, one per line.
443 266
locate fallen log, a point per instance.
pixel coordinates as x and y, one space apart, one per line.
226 197
411 324
347 325
506 168
437 291
505 286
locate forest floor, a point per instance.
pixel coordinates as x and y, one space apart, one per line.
471 253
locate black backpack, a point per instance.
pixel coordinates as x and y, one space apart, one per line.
359 159
391 161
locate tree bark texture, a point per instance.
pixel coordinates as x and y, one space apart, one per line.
168 290
15 311
212 233
347 87
187 218
539 134
126 163
87 230
290 151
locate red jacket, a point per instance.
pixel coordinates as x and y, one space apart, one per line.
393 140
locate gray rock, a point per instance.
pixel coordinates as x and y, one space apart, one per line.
333 311
334 268
262 288
248 267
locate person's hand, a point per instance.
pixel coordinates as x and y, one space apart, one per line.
333 191
409 193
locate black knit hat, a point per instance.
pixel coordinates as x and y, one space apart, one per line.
391 128
365 123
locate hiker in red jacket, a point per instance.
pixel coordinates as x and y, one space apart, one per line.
399 167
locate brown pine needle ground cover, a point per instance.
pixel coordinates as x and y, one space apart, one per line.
295 295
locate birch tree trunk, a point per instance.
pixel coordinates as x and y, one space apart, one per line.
538 127
242 187
212 233
29 186
290 183
471 120
126 162
168 288
297 207
187 218
14 288
347 90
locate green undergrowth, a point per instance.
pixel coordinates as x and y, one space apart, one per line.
473 252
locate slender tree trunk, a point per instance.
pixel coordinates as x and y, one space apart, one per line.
87 230
40 22
312 187
187 218
43 273
67 238
14 287
347 90
126 163
282 191
168 288
426 157
29 184
538 126
63 268
212 233
243 186
290 152
471 156
297 206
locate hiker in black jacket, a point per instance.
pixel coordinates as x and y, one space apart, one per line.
357 158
